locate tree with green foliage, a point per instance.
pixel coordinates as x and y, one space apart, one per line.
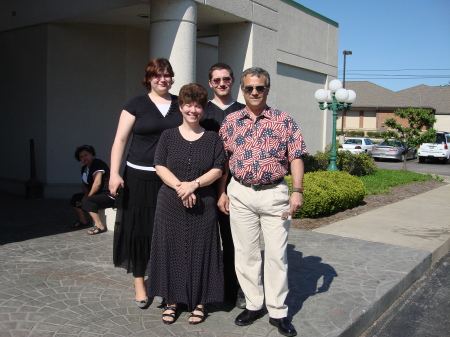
412 135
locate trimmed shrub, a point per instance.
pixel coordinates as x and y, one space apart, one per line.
355 164
354 133
374 134
315 163
328 192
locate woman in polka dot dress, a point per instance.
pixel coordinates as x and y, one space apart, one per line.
185 262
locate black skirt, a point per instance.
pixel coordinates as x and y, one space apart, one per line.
135 218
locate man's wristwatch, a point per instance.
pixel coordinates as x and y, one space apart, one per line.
297 189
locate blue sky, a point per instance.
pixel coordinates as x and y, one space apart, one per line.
389 38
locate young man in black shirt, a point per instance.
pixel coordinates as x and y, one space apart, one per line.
221 80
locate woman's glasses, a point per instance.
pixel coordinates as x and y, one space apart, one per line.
164 76
249 89
226 80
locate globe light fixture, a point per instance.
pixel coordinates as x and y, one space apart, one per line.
336 98
341 95
335 85
321 95
329 97
351 96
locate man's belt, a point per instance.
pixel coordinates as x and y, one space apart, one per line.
259 186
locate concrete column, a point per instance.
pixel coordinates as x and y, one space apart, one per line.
245 45
173 34
235 49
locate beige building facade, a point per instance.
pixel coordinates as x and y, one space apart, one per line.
68 68
375 104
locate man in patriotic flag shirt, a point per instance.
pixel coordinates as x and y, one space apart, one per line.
260 143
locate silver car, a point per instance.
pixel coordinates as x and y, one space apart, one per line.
393 149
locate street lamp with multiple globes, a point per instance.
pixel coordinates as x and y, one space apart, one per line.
337 98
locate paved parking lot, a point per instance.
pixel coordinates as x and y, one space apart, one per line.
414 166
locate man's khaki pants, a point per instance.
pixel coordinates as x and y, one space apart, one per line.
253 211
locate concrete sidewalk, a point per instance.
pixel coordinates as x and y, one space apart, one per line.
59 282
421 222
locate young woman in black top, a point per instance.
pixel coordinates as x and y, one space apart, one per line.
144 118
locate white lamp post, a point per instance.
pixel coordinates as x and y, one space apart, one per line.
337 98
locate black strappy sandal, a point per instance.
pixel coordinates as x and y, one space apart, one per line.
78 224
172 314
202 317
96 230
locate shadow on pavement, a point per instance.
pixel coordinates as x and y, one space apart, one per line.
308 276
23 219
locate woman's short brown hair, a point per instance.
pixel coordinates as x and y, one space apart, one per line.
192 92
154 68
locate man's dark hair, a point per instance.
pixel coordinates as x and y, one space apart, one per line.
256 71
220 66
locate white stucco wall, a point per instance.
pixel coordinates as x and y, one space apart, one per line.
92 71
64 84
306 41
236 49
207 55
22 13
23 105
299 86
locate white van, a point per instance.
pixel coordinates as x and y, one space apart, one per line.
439 150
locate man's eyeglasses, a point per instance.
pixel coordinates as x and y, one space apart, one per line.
226 80
259 88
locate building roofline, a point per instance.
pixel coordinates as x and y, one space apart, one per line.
309 11
378 107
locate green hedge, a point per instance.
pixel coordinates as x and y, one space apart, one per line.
355 164
328 192
354 133
373 134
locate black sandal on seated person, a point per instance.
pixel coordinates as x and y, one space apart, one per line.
78 224
96 230
202 317
172 315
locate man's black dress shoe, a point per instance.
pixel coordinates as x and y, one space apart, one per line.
247 317
284 326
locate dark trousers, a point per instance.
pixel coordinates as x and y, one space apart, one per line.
231 282
92 203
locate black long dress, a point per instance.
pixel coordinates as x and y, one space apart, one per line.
135 215
185 262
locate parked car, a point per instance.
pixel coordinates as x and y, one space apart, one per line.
393 149
357 145
439 150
